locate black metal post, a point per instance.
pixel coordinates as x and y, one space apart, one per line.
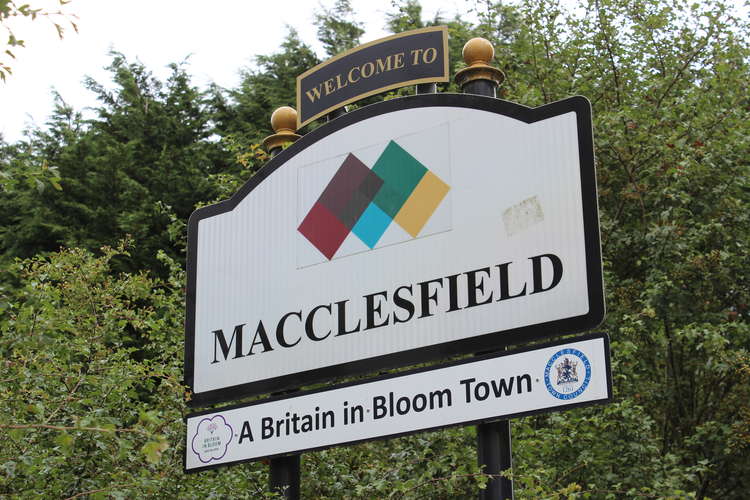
284 476
427 88
481 87
284 473
335 113
494 452
494 456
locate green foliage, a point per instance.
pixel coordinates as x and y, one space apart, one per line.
432 465
668 82
336 29
72 393
245 112
408 16
147 154
91 392
20 169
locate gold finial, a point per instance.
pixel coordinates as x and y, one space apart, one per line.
284 119
477 53
284 123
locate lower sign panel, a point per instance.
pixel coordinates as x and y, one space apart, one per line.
545 378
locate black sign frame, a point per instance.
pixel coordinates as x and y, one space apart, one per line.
482 341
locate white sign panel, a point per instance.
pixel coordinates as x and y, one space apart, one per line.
549 378
408 230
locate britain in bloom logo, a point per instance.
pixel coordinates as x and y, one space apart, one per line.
211 439
364 201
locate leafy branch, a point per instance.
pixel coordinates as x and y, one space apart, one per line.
10 10
112 430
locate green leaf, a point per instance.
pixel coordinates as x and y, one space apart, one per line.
65 440
153 450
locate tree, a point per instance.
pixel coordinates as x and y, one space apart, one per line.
408 16
91 392
146 157
244 114
31 224
336 29
668 83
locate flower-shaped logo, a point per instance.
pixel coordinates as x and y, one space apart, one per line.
212 438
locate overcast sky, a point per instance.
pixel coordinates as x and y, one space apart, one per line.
220 36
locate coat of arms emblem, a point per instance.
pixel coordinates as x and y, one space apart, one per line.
566 371
562 377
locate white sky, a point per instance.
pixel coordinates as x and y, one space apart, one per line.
221 36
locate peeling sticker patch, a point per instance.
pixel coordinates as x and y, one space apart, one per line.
522 216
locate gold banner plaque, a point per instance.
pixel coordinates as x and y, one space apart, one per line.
409 58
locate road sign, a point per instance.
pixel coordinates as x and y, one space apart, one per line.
408 230
541 379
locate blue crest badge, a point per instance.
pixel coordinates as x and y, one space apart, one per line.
571 375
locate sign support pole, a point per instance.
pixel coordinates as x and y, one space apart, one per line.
335 113
284 472
494 454
494 451
284 476
426 88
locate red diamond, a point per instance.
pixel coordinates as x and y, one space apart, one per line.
324 230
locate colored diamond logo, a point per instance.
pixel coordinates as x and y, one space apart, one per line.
364 201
